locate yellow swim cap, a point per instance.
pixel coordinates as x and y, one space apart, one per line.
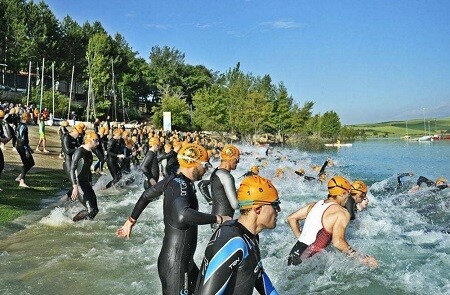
191 155
359 186
338 185
229 152
256 190
90 136
254 169
441 180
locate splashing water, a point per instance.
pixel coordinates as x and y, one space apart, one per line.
49 254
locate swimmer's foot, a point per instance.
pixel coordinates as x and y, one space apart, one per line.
80 216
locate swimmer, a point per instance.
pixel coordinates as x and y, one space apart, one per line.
23 148
254 170
232 262
176 267
440 184
357 195
325 221
149 165
114 153
223 189
81 176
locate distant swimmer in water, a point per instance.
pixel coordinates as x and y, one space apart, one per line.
81 176
254 170
321 177
357 195
325 221
176 267
440 184
232 262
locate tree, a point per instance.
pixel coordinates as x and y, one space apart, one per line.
210 111
176 105
331 124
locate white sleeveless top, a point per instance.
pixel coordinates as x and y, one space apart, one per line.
313 223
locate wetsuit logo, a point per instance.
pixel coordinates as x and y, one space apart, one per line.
258 267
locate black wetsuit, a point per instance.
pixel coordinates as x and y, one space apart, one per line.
100 154
350 205
176 267
232 263
69 145
115 148
80 173
23 148
430 183
172 162
223 192
150 168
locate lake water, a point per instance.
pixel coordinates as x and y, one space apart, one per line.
46 253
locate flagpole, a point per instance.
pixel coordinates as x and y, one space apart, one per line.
42 85
28 86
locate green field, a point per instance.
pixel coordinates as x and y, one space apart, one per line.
414 128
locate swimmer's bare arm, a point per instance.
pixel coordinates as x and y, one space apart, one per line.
125 230
294 219
342 218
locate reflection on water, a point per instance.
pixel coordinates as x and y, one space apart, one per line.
49 254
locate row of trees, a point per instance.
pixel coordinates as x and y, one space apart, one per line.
198 97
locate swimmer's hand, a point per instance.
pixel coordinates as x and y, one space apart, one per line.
222 218
125 230
75 193
369 261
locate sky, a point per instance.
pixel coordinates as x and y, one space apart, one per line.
369 61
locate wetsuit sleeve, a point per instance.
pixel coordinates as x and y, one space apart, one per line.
322 170
77 155
150 195
423 179
309 178
190 216
98 151
264 286
399 178
222 266
66 145
204 190
147 163
227 181
164 157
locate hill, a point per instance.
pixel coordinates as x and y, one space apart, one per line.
413 127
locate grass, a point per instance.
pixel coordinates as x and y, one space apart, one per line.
46 178
398 128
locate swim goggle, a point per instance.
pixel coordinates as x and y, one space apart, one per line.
274 204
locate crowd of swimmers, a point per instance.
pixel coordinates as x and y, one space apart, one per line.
171 163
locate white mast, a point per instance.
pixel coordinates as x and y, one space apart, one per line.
28 86
53 87
70 93
42 84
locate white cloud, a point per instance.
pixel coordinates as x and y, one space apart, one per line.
282 24
157 26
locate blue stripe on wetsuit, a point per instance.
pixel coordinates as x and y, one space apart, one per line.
268 287
232 246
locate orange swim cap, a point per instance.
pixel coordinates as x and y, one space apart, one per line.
191 155
256 190
338 185
229 152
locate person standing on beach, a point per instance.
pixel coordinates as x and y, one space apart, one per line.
5 136
176 267
42 138
23 148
